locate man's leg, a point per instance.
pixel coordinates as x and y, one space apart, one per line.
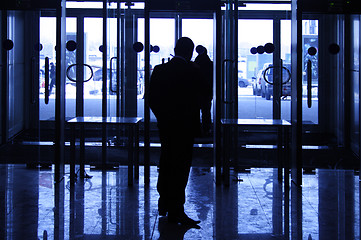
206 116
181 152
163 174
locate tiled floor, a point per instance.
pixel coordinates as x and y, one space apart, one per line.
104 207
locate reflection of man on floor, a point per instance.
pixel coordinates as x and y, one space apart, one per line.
174 99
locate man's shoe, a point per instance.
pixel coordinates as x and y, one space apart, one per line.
162 212
182 219
162 208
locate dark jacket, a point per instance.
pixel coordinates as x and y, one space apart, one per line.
174 95
206 66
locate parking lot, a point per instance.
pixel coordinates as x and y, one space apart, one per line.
249 106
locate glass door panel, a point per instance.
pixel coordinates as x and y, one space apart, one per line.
70 85
48 40
252 102
112 65
310 92
310 39
201 32
141 69
286 61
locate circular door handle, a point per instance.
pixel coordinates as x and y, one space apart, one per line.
76 64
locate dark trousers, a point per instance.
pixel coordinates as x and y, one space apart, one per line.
206 115
174 166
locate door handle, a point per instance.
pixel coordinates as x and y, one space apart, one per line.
46 80
309 84
111 75
281 74
223 81
76 80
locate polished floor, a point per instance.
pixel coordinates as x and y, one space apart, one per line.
104 207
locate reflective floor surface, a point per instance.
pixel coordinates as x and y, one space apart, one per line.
104 207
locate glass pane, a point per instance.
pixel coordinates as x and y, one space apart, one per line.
286 59
162 34
48 40
93 39
251 90
112 64
70 87
201 32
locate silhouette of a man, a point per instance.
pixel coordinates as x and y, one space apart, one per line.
206 66
174 99
52 77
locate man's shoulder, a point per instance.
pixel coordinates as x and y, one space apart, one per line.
161 67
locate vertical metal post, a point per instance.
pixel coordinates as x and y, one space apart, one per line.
119 58
80 67
122 66
104 77
80 87
217 99
277 69
229 61
4 81
146 99
296 119
277 88
59 120
105 56
235 81
60 91
347 82
130 64
235 57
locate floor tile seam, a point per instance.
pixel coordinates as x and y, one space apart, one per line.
259 202
309 203
154 226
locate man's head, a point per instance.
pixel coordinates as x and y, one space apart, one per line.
184 48
201 50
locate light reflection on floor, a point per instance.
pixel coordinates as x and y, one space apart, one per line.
104 207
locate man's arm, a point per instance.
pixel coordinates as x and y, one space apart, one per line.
154 92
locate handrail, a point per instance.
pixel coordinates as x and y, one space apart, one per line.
46 80
111 75
283 82
224 89
309 84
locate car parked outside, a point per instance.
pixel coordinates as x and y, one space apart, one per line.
267 86
97 84
242 82
256 84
